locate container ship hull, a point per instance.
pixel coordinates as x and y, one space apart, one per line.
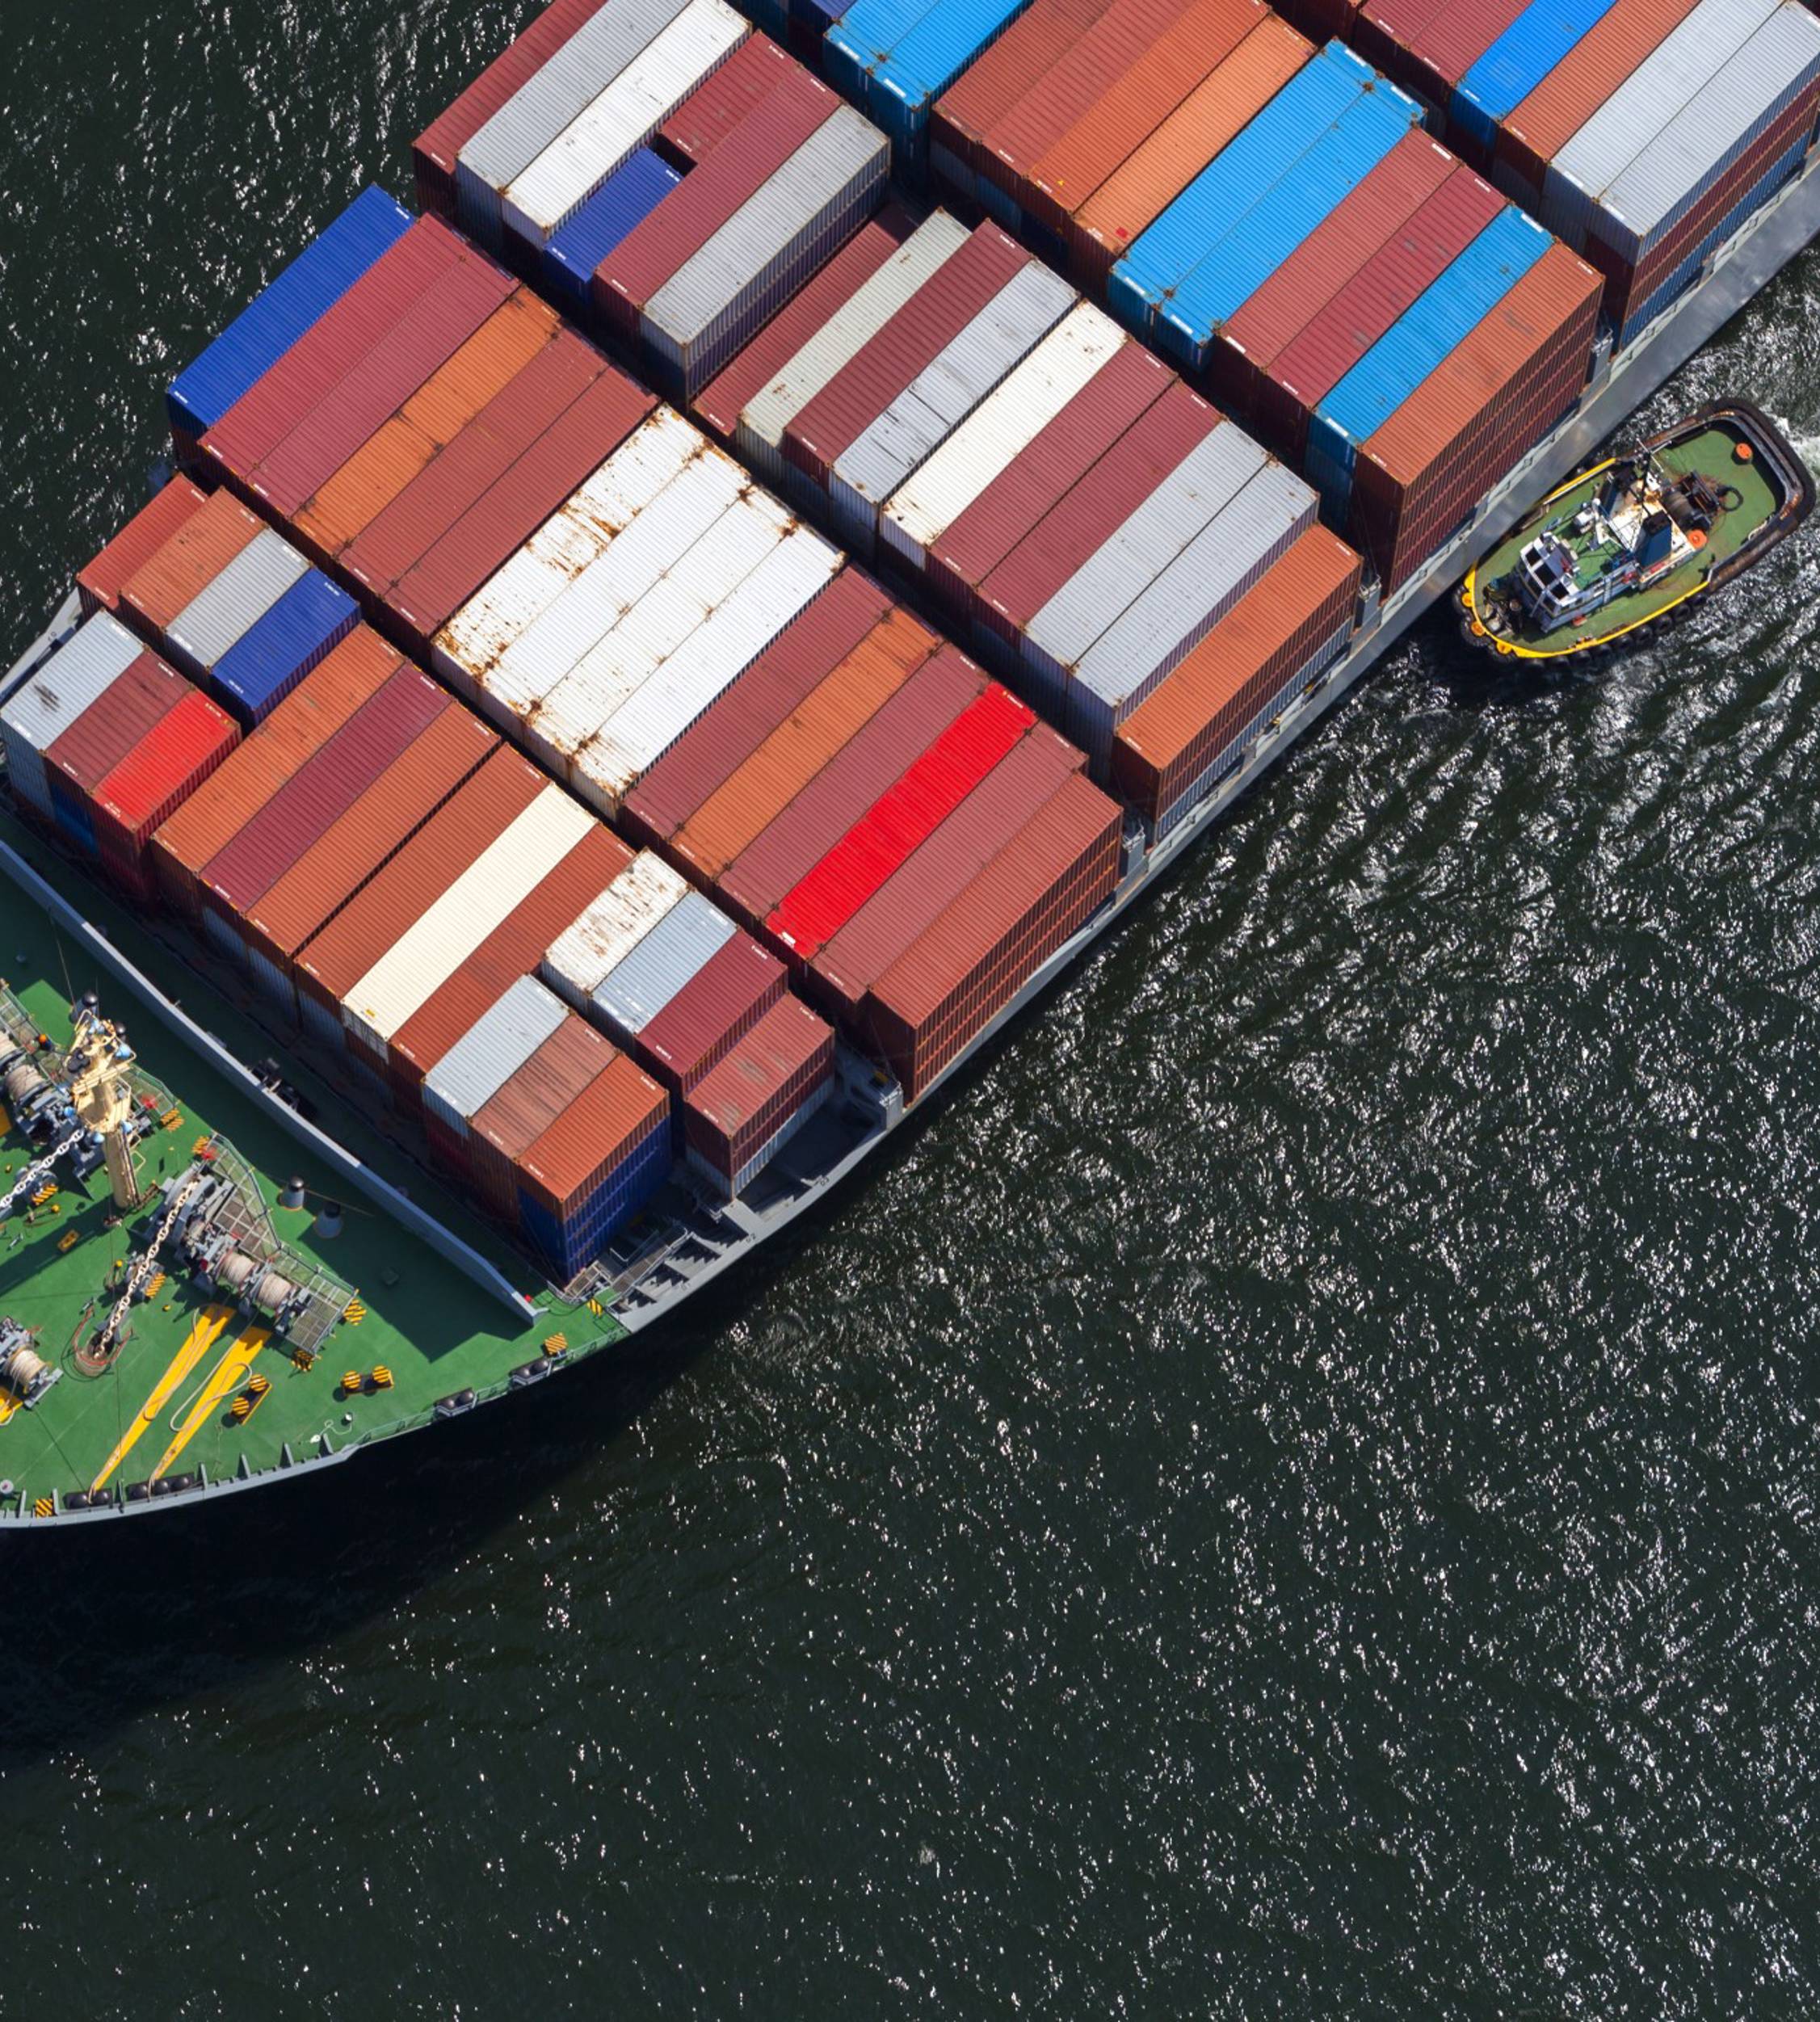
713 1247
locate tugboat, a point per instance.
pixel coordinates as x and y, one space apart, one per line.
1627 546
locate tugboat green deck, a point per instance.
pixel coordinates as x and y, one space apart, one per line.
1763 492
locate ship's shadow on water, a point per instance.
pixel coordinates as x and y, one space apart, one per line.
102 1624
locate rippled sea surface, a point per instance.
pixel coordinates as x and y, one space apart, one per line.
1293 1494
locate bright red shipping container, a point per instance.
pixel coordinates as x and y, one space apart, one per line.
154 780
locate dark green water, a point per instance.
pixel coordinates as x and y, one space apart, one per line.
1294 1493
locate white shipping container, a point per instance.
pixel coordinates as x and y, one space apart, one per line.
1760 83
495 617
223 611
489 1053
548 100
588 608
633 106
846 332
704 313
986 444
1676 71
581 957
797 570
430 950
1131 558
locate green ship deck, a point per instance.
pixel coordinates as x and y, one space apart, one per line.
163 1408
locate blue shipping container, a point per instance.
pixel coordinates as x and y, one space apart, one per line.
568 1246
1427 332
1519 61
625 200
301 295
894 60
1238 262
1287 128
274 655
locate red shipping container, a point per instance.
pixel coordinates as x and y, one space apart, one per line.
299 727
331 871
1341 246
426 336
433 151
1430 58
994 86
507 515
652 250
154 780
1111 404
723 99
1169 743
959 974
720 741
513 949
920 890
125 712
517 417
1329 346
1535 132
1076 529
499 1134
161 588
840 794
99 584
903 818
711 1012
1501 389
732 1114
828 425
474 818
321 791
322 357
720 404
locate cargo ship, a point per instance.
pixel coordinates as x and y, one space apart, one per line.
1631 545
646 665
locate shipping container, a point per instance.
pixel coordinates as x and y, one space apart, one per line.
801 745
285 310
934 874
965 969
593 1168
474 1070
547 1086
259 768
274 652
330 871
623 202
99 583
773 689
37 714
435 151
917 419
710 1015
1015 68
659 965
609 927
152 781
739 1117
113 726
172 577
910 720
894 58
720 103
1276 639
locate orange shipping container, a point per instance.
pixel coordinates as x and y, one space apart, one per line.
1133 106
99 585
299 727
1165 163
1194 721
153 595
741 809
446 402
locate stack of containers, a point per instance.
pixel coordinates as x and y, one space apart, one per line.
1202 722
1257 201
319 798
1484 360
104 741
653 590
227 599
740 1114
1086 120
299 298
569 1139
685 269
98 584
894 58
411 449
